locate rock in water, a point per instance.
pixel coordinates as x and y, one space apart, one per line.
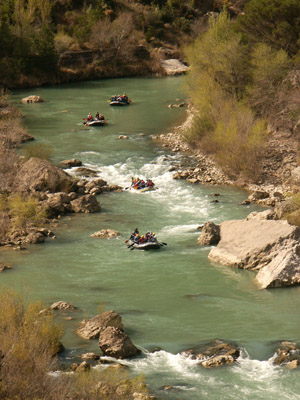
72 163
210 234
86 204
105 233
91 329
115 343
62 305
32 99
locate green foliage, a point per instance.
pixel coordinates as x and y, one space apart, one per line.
269 68
42 151
276 22
25 211
220 54
85 21
224 125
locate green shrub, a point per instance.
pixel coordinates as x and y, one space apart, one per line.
25 211
224 125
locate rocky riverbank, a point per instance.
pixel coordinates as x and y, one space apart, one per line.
280 172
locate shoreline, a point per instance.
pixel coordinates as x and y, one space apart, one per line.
207 170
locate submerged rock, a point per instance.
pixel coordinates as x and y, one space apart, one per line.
62 305
86 172
32 99
106 233
71 163
4 267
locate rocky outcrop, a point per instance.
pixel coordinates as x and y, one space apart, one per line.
210 234
62 306
288 354
106 233
57 204
71 163
32 99
217 354
37 175
95 186
263 215
268 246
91 328
283 269
86 204
115 343
172 66
30 236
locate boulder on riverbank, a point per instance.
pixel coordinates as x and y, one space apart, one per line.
37 175
91 328
270 247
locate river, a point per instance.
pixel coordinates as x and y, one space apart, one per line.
174 298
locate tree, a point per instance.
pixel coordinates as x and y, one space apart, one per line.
276 22
220 53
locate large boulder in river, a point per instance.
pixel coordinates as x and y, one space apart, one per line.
115 343
86 204
269 246
210 234
91 329
41 176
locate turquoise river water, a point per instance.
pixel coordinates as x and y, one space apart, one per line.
174 298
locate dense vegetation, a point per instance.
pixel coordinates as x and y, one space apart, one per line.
99 37
240 81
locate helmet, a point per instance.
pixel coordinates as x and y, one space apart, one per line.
142 236
153 233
